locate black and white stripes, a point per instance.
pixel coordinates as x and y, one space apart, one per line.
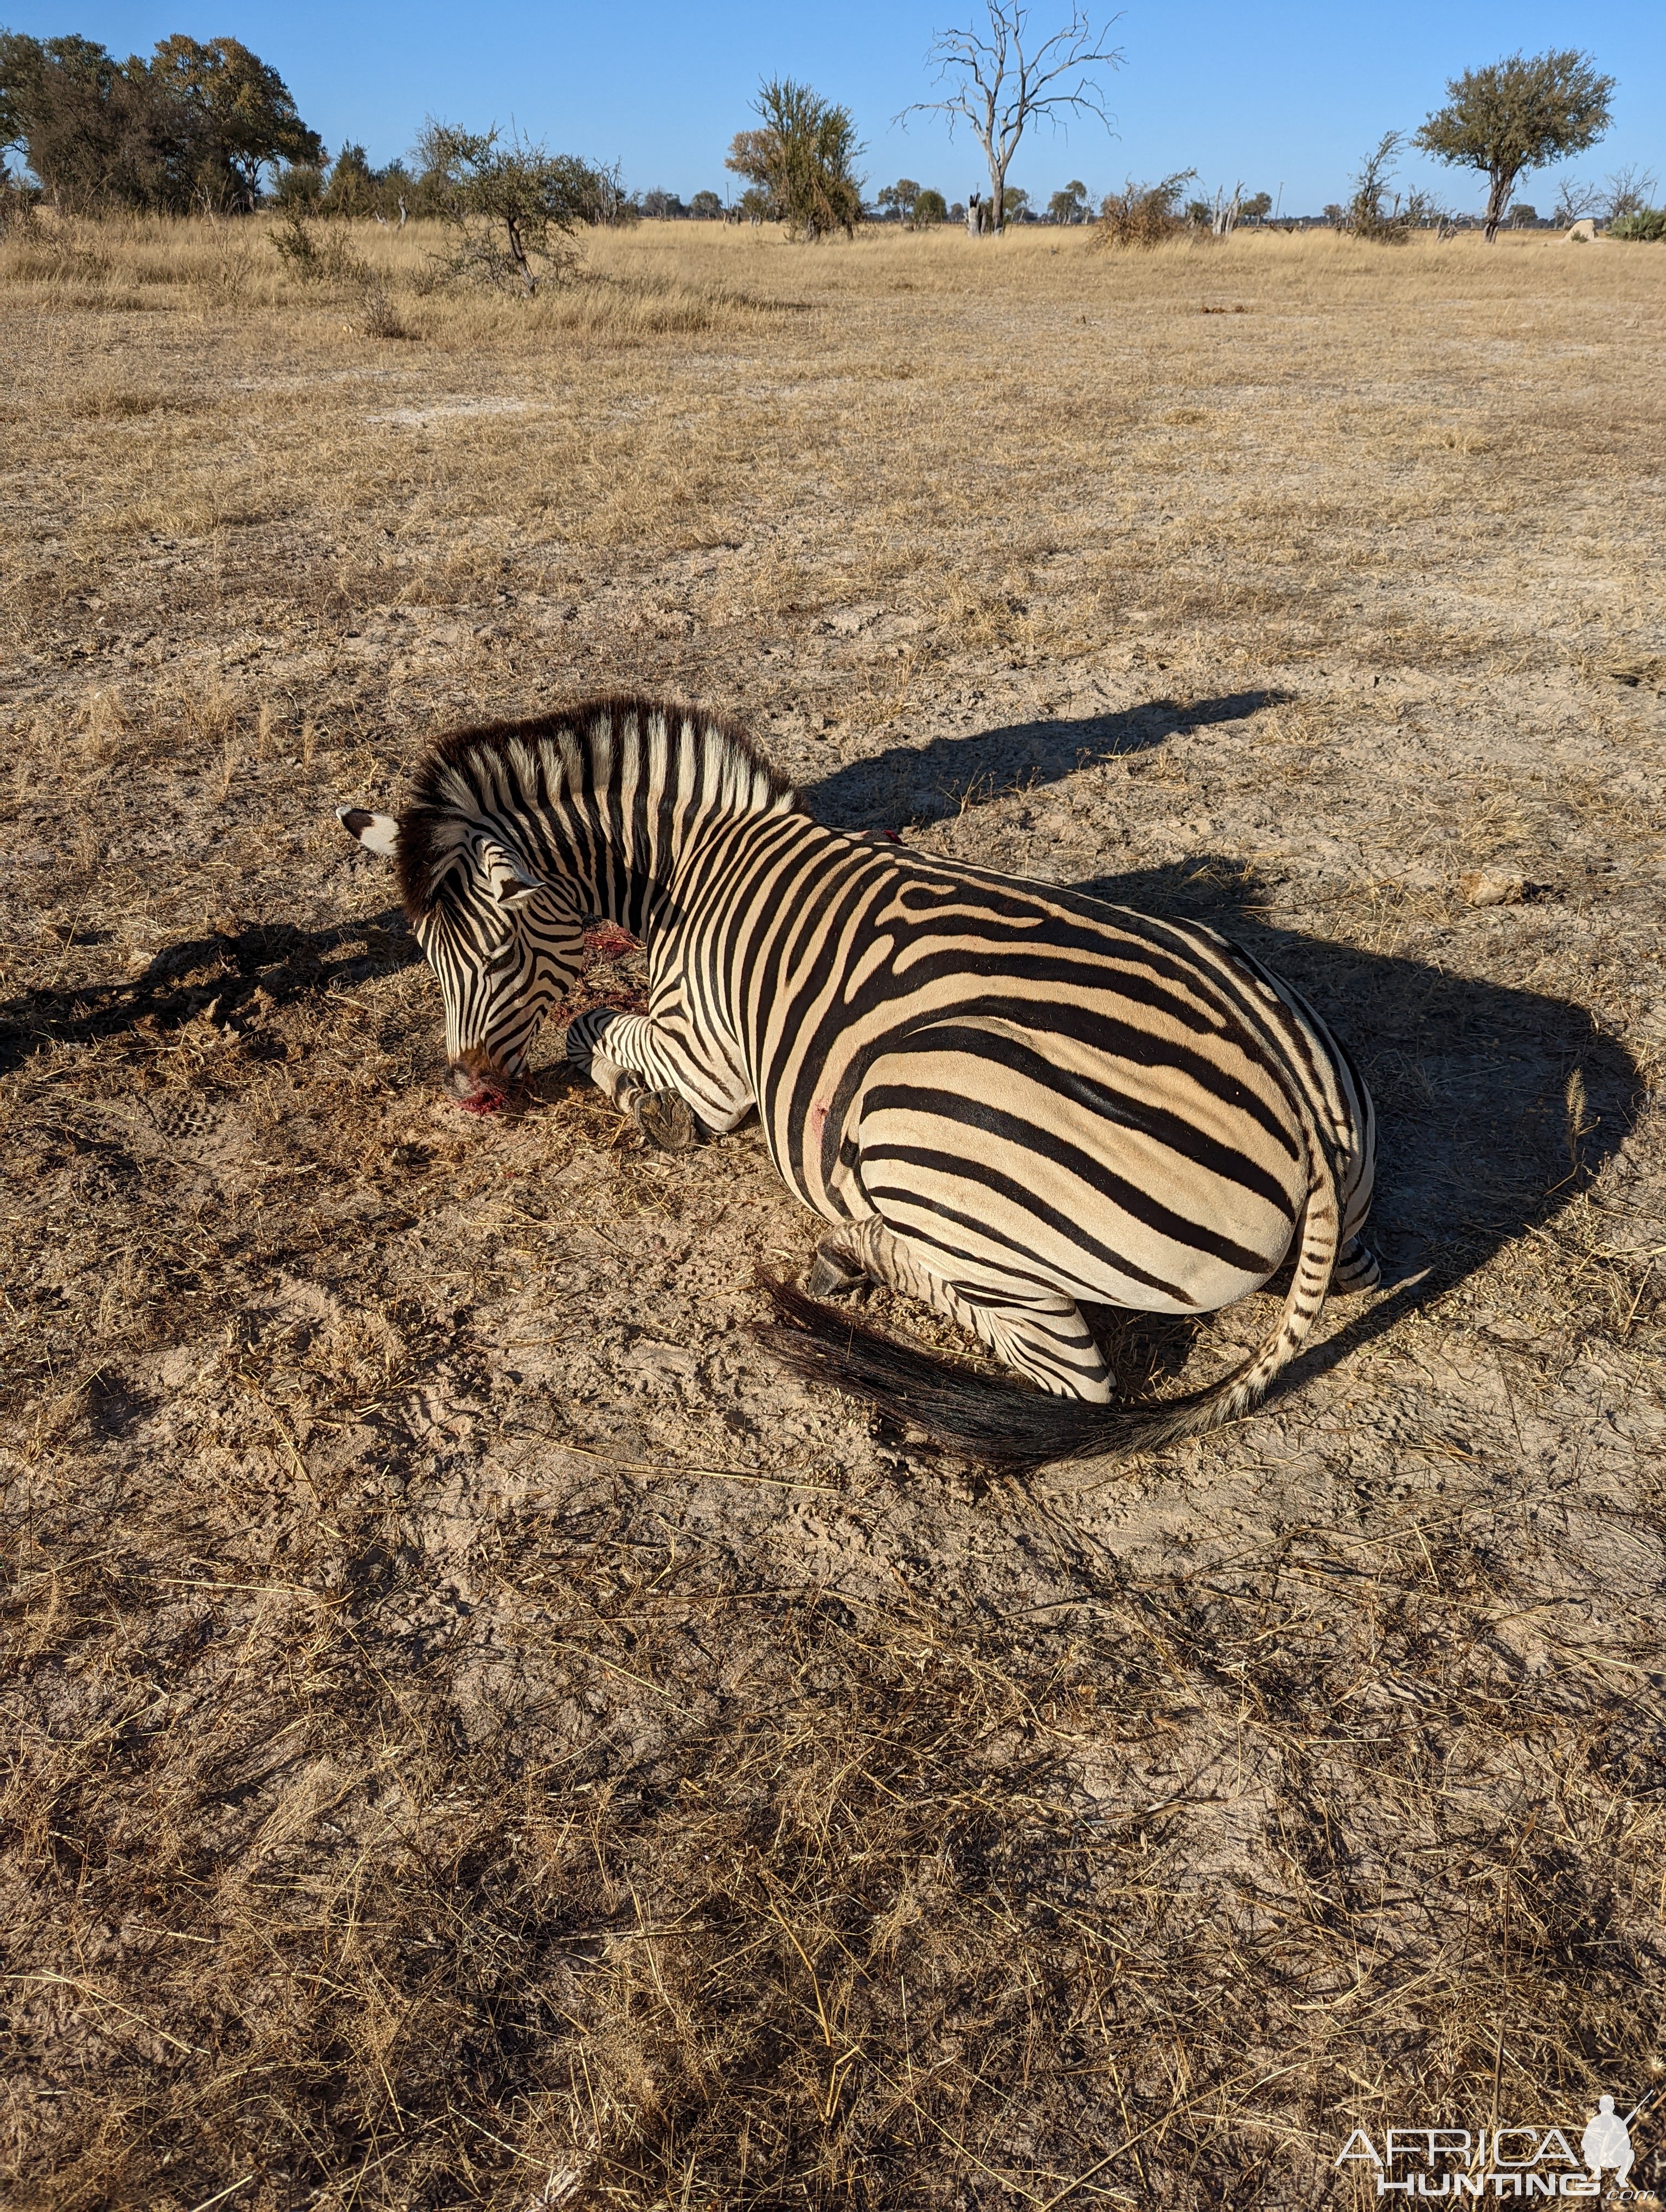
1007 1099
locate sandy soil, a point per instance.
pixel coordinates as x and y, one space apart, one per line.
479 1734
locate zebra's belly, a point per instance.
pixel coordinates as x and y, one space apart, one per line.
1121 1184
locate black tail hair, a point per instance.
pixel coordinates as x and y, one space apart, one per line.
1009 1425
1014 1426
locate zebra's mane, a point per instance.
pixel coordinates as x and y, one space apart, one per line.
481 777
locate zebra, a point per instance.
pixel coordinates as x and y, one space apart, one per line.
1005 1098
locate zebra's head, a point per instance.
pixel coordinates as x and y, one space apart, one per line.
504 944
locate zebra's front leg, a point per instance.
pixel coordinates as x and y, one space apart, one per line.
620 1054
1040 1333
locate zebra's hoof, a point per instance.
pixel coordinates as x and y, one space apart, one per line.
665 1120
1357 1270
829 1272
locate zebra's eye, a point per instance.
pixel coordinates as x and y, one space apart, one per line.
503 958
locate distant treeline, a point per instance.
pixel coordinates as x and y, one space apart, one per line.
194 127
209 126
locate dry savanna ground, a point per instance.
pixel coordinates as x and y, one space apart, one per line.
476 1733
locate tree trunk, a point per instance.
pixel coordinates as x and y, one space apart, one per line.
1497 200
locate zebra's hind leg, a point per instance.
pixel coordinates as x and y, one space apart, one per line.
1040 1333
1356 1269
838 1264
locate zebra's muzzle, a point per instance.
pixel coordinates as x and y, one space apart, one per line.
478 1086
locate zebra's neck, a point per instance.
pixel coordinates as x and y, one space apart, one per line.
603 801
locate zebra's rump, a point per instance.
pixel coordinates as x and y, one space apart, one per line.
1029 1149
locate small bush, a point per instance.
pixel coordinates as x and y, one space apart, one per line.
1143 215
379 318
315 253
1647 225
510 204
1369 215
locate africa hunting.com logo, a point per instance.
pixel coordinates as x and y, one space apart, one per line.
1536 2161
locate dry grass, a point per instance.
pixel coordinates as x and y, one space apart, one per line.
476 1735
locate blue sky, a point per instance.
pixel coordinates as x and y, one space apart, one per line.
1284 97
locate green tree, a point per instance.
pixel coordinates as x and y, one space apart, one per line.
801 161
929 209
510 204
1069 205
1517 115
242 119
354 186
898 200
93 130
196 123
706 207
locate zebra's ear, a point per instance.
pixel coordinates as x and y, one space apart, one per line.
377 833
513 886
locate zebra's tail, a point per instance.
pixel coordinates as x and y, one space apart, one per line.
1015 1427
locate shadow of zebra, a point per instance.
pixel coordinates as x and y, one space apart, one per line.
1496 1106
925 783
219 974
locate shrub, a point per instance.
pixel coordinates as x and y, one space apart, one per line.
316 252
1369 215
1143 215
929 209
17 204
379 318
1647 225
299 183
510 204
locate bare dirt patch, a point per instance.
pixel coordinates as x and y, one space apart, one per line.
478 1733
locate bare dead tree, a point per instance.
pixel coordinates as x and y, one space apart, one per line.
998 83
